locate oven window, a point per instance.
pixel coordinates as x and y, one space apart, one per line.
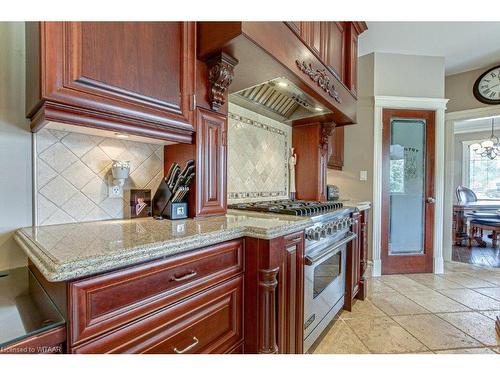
325 273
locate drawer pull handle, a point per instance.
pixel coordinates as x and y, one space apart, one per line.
185 277
187 348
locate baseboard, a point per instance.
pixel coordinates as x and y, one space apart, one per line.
438 265
377 267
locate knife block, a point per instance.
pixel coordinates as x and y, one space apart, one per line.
164 208
175 211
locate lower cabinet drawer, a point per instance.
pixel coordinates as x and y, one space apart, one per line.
209 322
102 303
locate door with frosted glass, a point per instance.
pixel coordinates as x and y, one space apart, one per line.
408 191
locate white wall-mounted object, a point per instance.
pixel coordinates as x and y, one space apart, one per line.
363 175
120 171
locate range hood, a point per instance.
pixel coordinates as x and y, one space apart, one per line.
278 99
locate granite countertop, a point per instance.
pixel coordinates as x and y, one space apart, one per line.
70 251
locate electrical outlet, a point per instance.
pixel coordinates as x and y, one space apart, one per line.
363 175
115 191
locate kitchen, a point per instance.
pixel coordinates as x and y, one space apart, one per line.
269 249
183 199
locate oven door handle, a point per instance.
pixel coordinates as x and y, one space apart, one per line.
310 260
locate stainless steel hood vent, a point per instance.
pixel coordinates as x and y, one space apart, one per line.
278 99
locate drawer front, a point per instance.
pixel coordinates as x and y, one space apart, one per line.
101 303
209 322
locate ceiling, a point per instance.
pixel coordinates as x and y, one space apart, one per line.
465 45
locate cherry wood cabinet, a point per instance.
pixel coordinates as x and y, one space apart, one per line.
293 288
99 304
354 29
239 296
334 47
310 142
211 168
49 342
210 323
208 191
336 149
133 77
335 44
363 239
274 302
356 262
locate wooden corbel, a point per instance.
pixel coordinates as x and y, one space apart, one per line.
220 76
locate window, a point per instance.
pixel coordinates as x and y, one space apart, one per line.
481 174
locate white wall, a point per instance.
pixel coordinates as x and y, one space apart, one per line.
15 145
459 90
408 75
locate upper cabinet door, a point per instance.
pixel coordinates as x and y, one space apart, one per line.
334 34
352 59
139 70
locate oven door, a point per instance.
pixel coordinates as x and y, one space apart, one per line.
324 286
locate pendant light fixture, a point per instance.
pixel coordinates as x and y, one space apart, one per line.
489 148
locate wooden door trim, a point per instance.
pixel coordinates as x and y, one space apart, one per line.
415 263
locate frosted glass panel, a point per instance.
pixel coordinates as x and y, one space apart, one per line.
407 187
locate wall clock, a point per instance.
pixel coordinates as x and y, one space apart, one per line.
487 86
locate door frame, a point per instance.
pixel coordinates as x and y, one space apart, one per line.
396 102
409 263
449 190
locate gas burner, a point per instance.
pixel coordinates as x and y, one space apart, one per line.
290 207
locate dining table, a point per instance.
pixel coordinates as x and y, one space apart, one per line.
464 212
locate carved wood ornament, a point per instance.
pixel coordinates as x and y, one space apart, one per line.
321 78
220 76
326 132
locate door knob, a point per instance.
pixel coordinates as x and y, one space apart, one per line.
431 200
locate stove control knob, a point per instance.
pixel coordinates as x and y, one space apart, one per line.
310 234
317 234
329 229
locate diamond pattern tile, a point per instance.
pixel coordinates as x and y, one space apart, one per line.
73 170
80 144
58 191
44 139
96 160
78 174
58 157
45 173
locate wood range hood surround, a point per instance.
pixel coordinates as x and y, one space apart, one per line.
268 50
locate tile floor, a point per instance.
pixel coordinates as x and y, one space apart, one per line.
421 313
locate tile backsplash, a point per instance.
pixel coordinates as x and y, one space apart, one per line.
258 150
72 172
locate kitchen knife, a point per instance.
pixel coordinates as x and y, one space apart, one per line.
183 194
187 169
189 179
182 178
169 174
174 177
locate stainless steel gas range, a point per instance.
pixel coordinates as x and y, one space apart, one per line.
326 243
